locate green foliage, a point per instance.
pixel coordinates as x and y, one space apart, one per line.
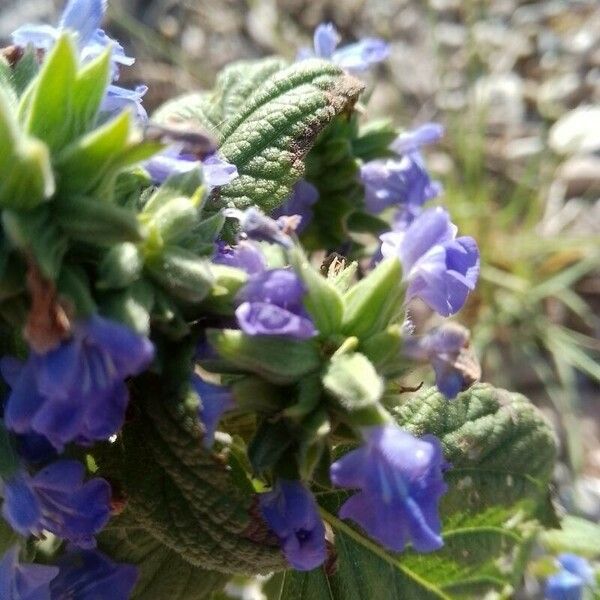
163 574
501 451
575 535
268 132
177 491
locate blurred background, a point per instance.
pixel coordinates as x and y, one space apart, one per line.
517 85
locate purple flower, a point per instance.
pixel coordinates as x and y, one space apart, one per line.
258 226
568 584
447 349
118 99
173 161
304 195
215 400
24 581
354 57
440 268
244 255
404 183
90 575
57 499
291 512
76 392
271 304
82 17
412 140
401 482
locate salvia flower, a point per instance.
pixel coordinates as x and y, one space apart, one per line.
304 196
57 499
244 255
271 304
118 99
447 349
569 583
24 581
174 161
292 514
403 182
215 400
400 478
82 17
90 575
354 58
261 228
76 392
440 268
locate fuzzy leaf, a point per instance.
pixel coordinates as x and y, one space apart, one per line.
502 452
162 572
274 129
177 491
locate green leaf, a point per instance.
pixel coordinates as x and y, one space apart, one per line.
97 222
576 535
26 177
270 135
47 108
25 70
278 360
353 380
176 491
502 453
375 301
322 299
91 164
181 274
162 572
120 266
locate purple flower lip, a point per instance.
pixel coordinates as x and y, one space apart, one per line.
24 581
354 58
292 513
440 268
77 392
215 401
57 499
271 304
400 483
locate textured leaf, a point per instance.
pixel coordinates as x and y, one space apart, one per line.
163 574
502 452
178 492
25 172
277 359
352 379
270 135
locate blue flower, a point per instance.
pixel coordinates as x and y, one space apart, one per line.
568 584
271 304
215 400
90 575
24 581
353 58
84 18
440 268
403 182
447 349
400 478
304 196
244 255
77 392
258 226
292 514
57 499
118 99
173 161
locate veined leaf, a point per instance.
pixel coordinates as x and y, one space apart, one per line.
502 452
272 132
163 574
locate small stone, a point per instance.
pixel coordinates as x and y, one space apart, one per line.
556 94
581 175
502 96
523 148
577 132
